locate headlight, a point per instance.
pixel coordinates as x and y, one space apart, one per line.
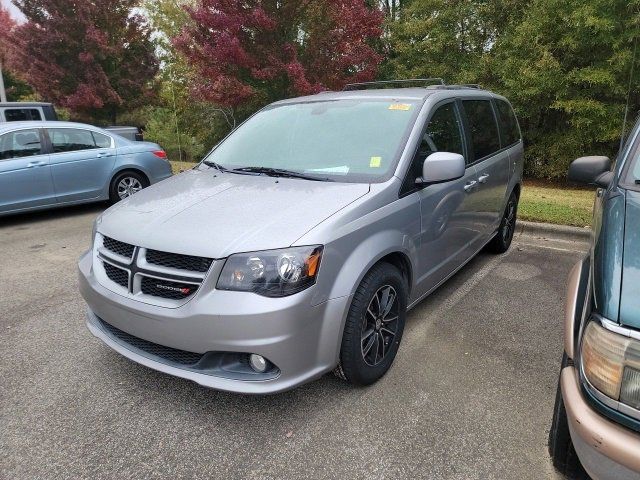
272 273
611 363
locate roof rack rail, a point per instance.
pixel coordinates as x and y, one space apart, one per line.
459 87
386 83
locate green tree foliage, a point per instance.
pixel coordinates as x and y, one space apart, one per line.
185 127
566 67
564 64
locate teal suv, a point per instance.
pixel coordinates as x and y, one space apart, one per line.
596 423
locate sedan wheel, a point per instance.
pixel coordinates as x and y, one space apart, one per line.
128 186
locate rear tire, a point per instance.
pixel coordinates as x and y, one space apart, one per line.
563 454
502 240
125 184
374 326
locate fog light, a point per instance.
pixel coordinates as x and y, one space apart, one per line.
258 363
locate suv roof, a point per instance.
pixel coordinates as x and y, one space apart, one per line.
25 104
405 93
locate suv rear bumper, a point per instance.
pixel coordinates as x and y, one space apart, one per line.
301 340
607 450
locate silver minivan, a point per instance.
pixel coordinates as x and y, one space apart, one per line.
298 245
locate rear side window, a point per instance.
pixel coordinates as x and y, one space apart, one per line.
23 143
483 128
21 114
508 123
102 141
70 139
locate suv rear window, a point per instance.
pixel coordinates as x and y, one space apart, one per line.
483 128
508 123
21 114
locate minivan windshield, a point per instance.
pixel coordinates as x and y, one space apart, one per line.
339 140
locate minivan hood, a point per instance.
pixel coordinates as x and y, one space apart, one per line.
630 297
207 213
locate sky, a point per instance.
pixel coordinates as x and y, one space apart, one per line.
13 10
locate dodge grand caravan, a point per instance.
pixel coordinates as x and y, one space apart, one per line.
596 422
299 243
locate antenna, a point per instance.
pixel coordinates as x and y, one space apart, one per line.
626 110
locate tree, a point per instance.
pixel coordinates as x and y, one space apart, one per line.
567 67
249 53
15 88
94 58
454 40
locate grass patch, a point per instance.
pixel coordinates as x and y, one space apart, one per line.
178 167
556 204
539 202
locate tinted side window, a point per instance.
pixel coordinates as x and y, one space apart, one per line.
23 143
70 139
508 123
21 114
102 141
483 127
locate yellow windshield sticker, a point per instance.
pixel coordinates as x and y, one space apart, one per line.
375 162
400 106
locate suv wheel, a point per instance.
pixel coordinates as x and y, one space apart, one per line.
563 454
502 241
374 326
126 184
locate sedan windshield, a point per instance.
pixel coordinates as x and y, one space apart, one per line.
344 140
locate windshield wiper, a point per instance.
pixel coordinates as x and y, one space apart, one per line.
215 165
281 172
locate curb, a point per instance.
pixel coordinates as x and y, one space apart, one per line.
558 232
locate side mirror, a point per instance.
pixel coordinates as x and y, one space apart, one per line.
591 171
441 167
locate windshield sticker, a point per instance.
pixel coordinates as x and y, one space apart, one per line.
400 106
344 169
375 162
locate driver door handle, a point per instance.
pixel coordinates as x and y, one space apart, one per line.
469 186
36 164
483 178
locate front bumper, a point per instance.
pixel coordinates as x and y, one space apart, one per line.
301 340
607 450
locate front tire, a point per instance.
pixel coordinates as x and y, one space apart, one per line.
125 184
563 454
502 241
374 326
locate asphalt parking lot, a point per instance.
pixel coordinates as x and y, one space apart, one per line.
470 395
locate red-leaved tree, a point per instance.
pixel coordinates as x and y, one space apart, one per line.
7 24
256 51
94 58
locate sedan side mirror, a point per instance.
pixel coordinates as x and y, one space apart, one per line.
441 167
591 171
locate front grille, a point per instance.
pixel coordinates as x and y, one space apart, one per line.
169 354
169 277
116 275
167 289
118 247
182 262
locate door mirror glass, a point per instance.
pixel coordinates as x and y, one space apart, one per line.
594 170
442 167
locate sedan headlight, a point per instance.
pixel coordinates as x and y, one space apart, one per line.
272 273
611 363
